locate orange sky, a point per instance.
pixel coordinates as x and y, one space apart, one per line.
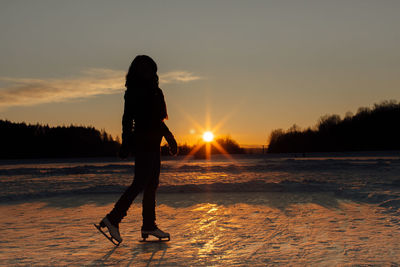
246 66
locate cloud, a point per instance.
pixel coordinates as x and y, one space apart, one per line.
178 76
91 82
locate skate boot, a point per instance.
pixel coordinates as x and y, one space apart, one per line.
113 231
161 235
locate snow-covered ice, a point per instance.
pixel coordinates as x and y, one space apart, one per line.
223 229
266 211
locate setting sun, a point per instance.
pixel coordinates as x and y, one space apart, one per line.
208 136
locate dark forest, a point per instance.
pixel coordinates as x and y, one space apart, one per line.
370 129
21 140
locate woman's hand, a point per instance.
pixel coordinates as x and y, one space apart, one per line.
173 146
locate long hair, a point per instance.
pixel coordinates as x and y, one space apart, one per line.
142 82
142 73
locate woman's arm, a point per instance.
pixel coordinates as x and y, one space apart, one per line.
173 146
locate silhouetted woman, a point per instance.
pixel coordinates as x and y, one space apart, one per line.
142 130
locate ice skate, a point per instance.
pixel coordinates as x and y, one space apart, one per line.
156 232
113 231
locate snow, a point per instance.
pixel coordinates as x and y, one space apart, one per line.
220 229
321 210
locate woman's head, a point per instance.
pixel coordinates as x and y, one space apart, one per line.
142 72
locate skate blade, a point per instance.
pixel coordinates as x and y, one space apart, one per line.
160 239
112 240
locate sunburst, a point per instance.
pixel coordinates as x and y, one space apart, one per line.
198 128
208 137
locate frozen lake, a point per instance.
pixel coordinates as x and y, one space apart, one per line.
249 209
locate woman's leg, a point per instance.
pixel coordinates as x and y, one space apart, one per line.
149 195
143 170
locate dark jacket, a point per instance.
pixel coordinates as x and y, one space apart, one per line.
143 121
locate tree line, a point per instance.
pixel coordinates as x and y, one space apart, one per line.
21 140
375 128
228 145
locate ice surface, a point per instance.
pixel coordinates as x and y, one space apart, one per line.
356 177
223 229
249 210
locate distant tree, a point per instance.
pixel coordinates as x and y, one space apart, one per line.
184 149
19 140
348 115
327 122
275 135
363 110
368 129
294 129
229 145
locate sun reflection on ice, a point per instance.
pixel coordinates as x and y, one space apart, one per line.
242 229
208 224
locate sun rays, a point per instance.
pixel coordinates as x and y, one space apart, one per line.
207 143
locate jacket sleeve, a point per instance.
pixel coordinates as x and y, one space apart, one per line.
165 131
127 122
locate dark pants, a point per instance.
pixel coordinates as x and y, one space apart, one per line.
147 172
